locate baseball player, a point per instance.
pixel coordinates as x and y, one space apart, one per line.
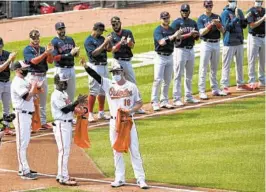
62 111
64 52
122 44
256 42
6 59
233 22
123 94
38 57
164 37
96 47
22 93
210 30
184 55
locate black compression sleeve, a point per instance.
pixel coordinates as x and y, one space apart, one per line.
25 96
69 108
94 74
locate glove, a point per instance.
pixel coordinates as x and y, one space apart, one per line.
82 99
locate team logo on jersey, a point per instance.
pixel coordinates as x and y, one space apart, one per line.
117 94
187 29
67 101
65 47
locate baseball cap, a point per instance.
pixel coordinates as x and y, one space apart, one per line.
164 15
99 26
60 77
185 7
18 65
34 33
116 67
115 19
207 3
59 25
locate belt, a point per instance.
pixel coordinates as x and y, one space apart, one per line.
211 40
65 66
23 111
123 59
99 63
4 81
165 54
38 74
258 35
69 121
186 47
112 117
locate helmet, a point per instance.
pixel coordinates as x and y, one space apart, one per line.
207 3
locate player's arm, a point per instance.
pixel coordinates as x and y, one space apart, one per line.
251 21
70 107
130 40
228 23
11 57
28 94
203 30
58 56
102 47
29 57
165 40
91 72
243 20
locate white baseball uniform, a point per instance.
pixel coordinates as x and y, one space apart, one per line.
62 131
22 122
124 96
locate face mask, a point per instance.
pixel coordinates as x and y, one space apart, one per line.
232 5
116 78
24 73
258 4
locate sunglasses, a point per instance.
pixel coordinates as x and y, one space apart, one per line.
35 38
185 11
166 18
208 6
115 24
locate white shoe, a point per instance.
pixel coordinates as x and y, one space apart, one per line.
103 116
178 103
219 93
192 100
156 107
203 96
166 105
91 118
142 184
117 183
140 111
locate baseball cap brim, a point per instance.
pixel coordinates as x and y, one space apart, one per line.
18 65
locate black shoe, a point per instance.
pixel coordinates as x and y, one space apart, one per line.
32 172
29 176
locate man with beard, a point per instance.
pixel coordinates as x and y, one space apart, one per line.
96 47
256 43
233 22
38 57
6 59
210 29
64 52
62 111
22 93
184 56
164 37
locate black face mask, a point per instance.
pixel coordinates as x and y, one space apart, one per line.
24 73
61 86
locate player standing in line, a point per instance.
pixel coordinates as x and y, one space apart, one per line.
64 52
96 47
184 57
6 59
233 22
123 94
256 43
164 37
210 30
22 93
122 44
62 111
37 57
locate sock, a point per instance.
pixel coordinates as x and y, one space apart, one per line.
91 102
101 99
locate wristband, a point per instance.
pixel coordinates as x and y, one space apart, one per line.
186 35
167 39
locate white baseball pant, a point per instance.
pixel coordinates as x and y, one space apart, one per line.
5 96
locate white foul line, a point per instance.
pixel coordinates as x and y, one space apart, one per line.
161 113
106 182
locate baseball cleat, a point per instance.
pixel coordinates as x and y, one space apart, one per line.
140 111
29 176
203 96
244 87
20 173
178 103
226 90
103 116
91 118
117 183
192 100
142 184
46 126
8 131
219 93
155 107
166 105
70 182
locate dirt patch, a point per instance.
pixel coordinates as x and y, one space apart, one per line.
82 21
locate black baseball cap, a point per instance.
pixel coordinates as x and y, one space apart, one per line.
34 33
18 65
164 15
115 19
99 26
185 7
60 25
1 41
